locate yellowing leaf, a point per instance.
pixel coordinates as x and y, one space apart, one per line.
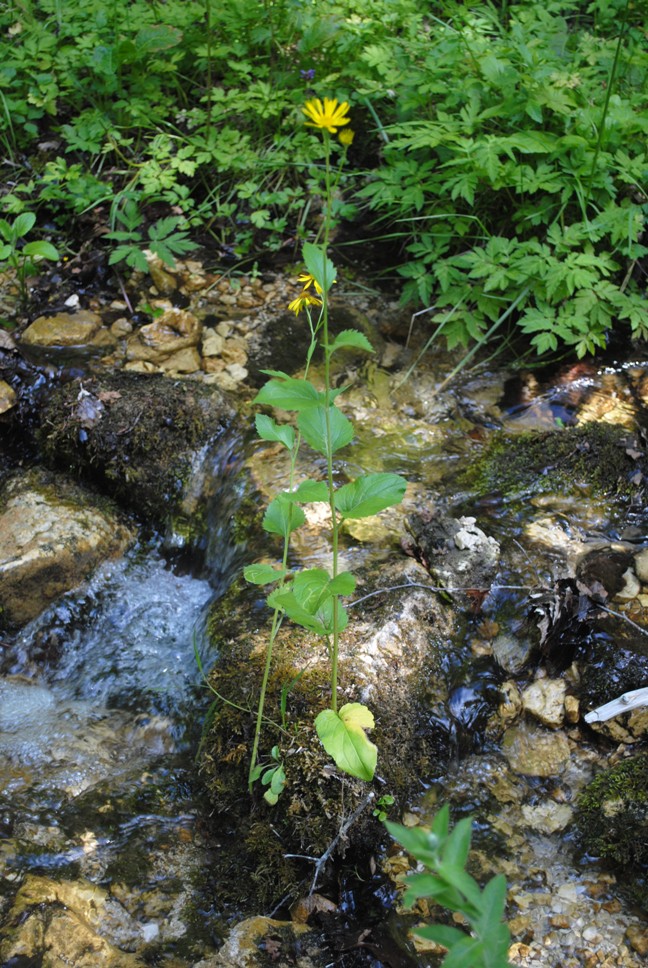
343 737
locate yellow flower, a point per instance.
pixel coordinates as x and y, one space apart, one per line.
329 116
302 300
308 281
346 137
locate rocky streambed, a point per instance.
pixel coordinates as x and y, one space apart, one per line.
499 604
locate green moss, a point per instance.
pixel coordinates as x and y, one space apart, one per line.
593 456
612 815
141 445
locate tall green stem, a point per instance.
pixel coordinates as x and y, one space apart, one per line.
277 615
335 645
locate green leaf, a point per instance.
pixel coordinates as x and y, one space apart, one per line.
350 339
465 954
5 251
263 574
343 737
343 584
309 492
493 902
309 602
6 230
370 494
283 517
420 842
320 267
428 885
312 425
289 393
316 618
441 933
455 852
267 429
41 250
23 224
155 37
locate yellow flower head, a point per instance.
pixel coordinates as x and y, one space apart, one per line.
308 281
303 300
346 137
329 116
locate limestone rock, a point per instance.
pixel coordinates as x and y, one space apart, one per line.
545 701
63 329
641 566
249 942
456 552
163 278
51 538
174 330
535 752
510 652
145 449
56 924
547 817
184 361
8 397
212 343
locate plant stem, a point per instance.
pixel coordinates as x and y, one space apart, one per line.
335 646
277 617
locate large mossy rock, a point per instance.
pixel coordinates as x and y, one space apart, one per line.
602 458
137 437
392 659
612 820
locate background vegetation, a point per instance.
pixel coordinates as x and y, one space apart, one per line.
500 149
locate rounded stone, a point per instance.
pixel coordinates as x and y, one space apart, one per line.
531 751
63 329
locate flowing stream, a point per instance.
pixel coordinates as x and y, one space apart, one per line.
97 701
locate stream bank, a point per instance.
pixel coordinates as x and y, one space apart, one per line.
479 692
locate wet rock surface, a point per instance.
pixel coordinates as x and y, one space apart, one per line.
485 694
136 437
52 536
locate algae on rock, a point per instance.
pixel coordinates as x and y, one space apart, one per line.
603 457
612 820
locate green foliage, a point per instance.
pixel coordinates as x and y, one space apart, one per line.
164 239
516 164
504 146
444 853
271 775
23 256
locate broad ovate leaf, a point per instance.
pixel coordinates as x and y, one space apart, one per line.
289 393
268 429
315 431
23 224
41 250
283 517
309 492
370 494
343 584
263 574
350 339
342 734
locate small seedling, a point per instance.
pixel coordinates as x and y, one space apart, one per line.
23 257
